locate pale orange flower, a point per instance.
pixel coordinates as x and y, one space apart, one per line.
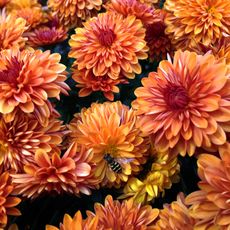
175 216
210 205
109 45
142 11
8 202
72 12
76 223
70 173
30 10
89 83
158 42
200 20
21 138
162 173
11 31
27 79
126 215
185 104
110 129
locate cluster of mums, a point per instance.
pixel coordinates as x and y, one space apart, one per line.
182 108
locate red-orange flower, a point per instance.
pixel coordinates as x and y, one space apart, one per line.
158 42
70 173
200 20
21 138
89 83
110 129
109 45
76 223
8 202
11 31
72 12
27 79
175 216
210 205
142 11
185 104
30 10
3 3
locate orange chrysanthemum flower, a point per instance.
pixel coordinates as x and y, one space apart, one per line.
142 11
72 12
8 202
185 104
21 138
175 216
30 10
126 215
70 173
210 205
44 35
109 45
110 130
89 83
11 31
76 223
163 172
158 42
3 3
200 20
27 79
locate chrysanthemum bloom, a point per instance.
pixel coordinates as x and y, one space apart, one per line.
200 20
89 83
76 223
126 215
3 3
27 79
72 12
158 42
175 216
21 138
212 201
43 36
11 31
30 10
110 129
142 11
109 45
70 173
8 202
185 104
164 171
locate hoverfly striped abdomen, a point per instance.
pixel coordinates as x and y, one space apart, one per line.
113 164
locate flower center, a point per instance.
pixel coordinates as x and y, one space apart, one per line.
176 97
106 37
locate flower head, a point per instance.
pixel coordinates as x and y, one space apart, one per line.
125 215
175 216
76 223
109 45
30 10
11 31
185 104
142 11
8 202
110 130
3 3
27 79
200 20
70 173
21 138
89 83
163 172
72 12
210 205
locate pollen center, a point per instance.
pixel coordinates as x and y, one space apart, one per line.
106 37
176 97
